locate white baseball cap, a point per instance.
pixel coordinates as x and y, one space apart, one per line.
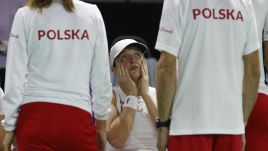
119 46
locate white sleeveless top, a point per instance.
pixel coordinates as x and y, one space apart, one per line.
143 136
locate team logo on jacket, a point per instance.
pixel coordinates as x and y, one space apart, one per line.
221 14
166 30
13 35
68 34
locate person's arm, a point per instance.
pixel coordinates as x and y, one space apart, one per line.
100 81
2 131
144 90
165 84
165 90
122 122
250 82
250 86
151 106
16 71
101 133
119 125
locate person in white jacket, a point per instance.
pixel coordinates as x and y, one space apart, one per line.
204 96
57 52
131 122
257 128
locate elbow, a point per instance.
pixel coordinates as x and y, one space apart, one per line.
253 77
117 143
166 68
252 67
166 64
162 67
258 76
255 74
116 139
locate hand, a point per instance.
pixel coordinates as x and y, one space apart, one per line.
3 45
144 81
101 134
101 140
162 141
243 142
8 141
124 80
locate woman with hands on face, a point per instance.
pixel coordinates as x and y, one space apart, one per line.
130 125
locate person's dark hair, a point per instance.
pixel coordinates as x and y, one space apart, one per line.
40 4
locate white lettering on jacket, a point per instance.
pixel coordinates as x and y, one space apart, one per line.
68 34
222 14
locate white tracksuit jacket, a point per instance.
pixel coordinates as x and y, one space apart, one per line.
56 56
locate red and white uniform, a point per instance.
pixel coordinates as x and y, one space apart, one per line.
55 57
209 39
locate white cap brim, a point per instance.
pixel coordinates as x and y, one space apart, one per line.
119 46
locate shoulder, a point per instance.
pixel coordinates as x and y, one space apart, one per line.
247 4
25 12
79 3
88 10
86 6
173 2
